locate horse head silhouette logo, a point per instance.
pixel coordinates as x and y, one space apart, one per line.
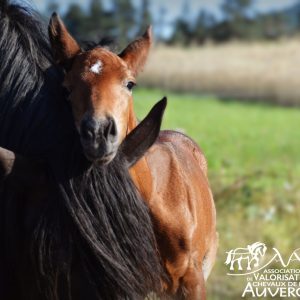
252 254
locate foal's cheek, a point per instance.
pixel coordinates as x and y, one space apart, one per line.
78 113
122 116
123 130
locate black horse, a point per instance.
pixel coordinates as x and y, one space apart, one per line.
68 229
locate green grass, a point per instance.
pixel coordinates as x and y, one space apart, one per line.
253 153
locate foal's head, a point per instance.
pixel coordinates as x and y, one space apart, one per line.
100 85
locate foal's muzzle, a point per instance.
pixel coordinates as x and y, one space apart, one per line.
99 139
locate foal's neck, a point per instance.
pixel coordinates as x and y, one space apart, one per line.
140 172
132 121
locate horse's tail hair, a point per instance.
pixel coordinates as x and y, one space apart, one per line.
229 256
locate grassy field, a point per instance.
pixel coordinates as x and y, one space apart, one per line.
268 71
254 170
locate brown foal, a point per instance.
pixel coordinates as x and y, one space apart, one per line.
172 176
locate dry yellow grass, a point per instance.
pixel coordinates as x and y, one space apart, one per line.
261 71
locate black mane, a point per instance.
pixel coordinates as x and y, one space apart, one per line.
89 236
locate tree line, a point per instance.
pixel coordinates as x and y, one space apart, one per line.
122 21
239 21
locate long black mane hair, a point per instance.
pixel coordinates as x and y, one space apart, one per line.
88 234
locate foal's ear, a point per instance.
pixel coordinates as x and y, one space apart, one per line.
137 52
64 46
144 135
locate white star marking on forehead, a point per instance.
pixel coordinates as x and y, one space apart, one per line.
97 67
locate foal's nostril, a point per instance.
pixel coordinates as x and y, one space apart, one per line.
92 131
110 132
88 129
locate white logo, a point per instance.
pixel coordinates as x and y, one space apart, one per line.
254 262
251 254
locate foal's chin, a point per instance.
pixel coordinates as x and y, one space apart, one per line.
104 160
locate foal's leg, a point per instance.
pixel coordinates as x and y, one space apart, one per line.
210 257
192 285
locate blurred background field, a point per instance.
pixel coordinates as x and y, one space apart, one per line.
254 170
231 71
257 71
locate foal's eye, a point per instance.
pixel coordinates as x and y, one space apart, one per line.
130 85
